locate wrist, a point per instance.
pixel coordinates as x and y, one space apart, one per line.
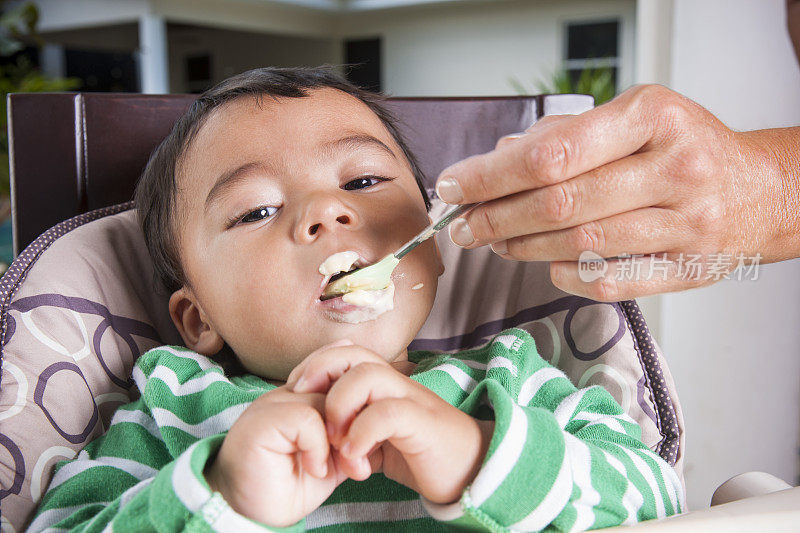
217 481
215 477
472 459
774 165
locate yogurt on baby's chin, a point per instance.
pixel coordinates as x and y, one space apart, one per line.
370 305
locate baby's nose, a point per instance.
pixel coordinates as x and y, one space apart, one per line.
341 219
325 213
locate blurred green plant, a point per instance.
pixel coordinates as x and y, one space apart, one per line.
19 74
597 81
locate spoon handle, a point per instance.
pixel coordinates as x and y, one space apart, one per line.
447 217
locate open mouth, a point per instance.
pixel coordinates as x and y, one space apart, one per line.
337 266
340 275
357 304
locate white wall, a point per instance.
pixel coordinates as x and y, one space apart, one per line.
248 15
66 15
473 48
734 348
735 58
233 14
653 41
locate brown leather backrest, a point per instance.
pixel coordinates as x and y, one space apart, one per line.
73 152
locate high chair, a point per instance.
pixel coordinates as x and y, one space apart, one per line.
78 304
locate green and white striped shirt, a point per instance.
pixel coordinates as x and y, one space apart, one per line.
559 459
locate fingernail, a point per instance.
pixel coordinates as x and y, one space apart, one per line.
514 136
364 466
449 190
460 233
500 248
345 451
301 383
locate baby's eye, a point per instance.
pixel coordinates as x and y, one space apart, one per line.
363 182
259 214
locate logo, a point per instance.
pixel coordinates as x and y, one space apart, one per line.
591 266
511 342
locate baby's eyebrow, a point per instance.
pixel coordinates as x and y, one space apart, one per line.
350 142
230 178
358 140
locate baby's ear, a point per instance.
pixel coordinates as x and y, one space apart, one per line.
192 324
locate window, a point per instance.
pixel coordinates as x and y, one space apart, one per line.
101 71
592 45
364 58
198 73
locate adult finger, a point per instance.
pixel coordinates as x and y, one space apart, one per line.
648 230
631 277
569 147
624 185
540 124
510 138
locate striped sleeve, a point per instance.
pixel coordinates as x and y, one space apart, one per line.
141 475
560 457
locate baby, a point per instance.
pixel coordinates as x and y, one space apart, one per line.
271 183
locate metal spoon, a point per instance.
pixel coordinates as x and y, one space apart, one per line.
377 275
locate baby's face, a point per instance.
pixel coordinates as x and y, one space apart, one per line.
266 193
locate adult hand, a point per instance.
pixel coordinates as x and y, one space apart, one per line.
650 172
793 23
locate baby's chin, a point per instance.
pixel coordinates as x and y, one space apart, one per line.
391 348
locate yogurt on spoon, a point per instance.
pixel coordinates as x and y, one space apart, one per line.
364 304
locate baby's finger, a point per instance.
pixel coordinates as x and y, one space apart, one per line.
312 443
298 370
365 384
324 368
397 420
357 468
285 395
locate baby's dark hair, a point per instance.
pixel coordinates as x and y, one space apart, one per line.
156 191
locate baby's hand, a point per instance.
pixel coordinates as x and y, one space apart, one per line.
275 464
377 415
